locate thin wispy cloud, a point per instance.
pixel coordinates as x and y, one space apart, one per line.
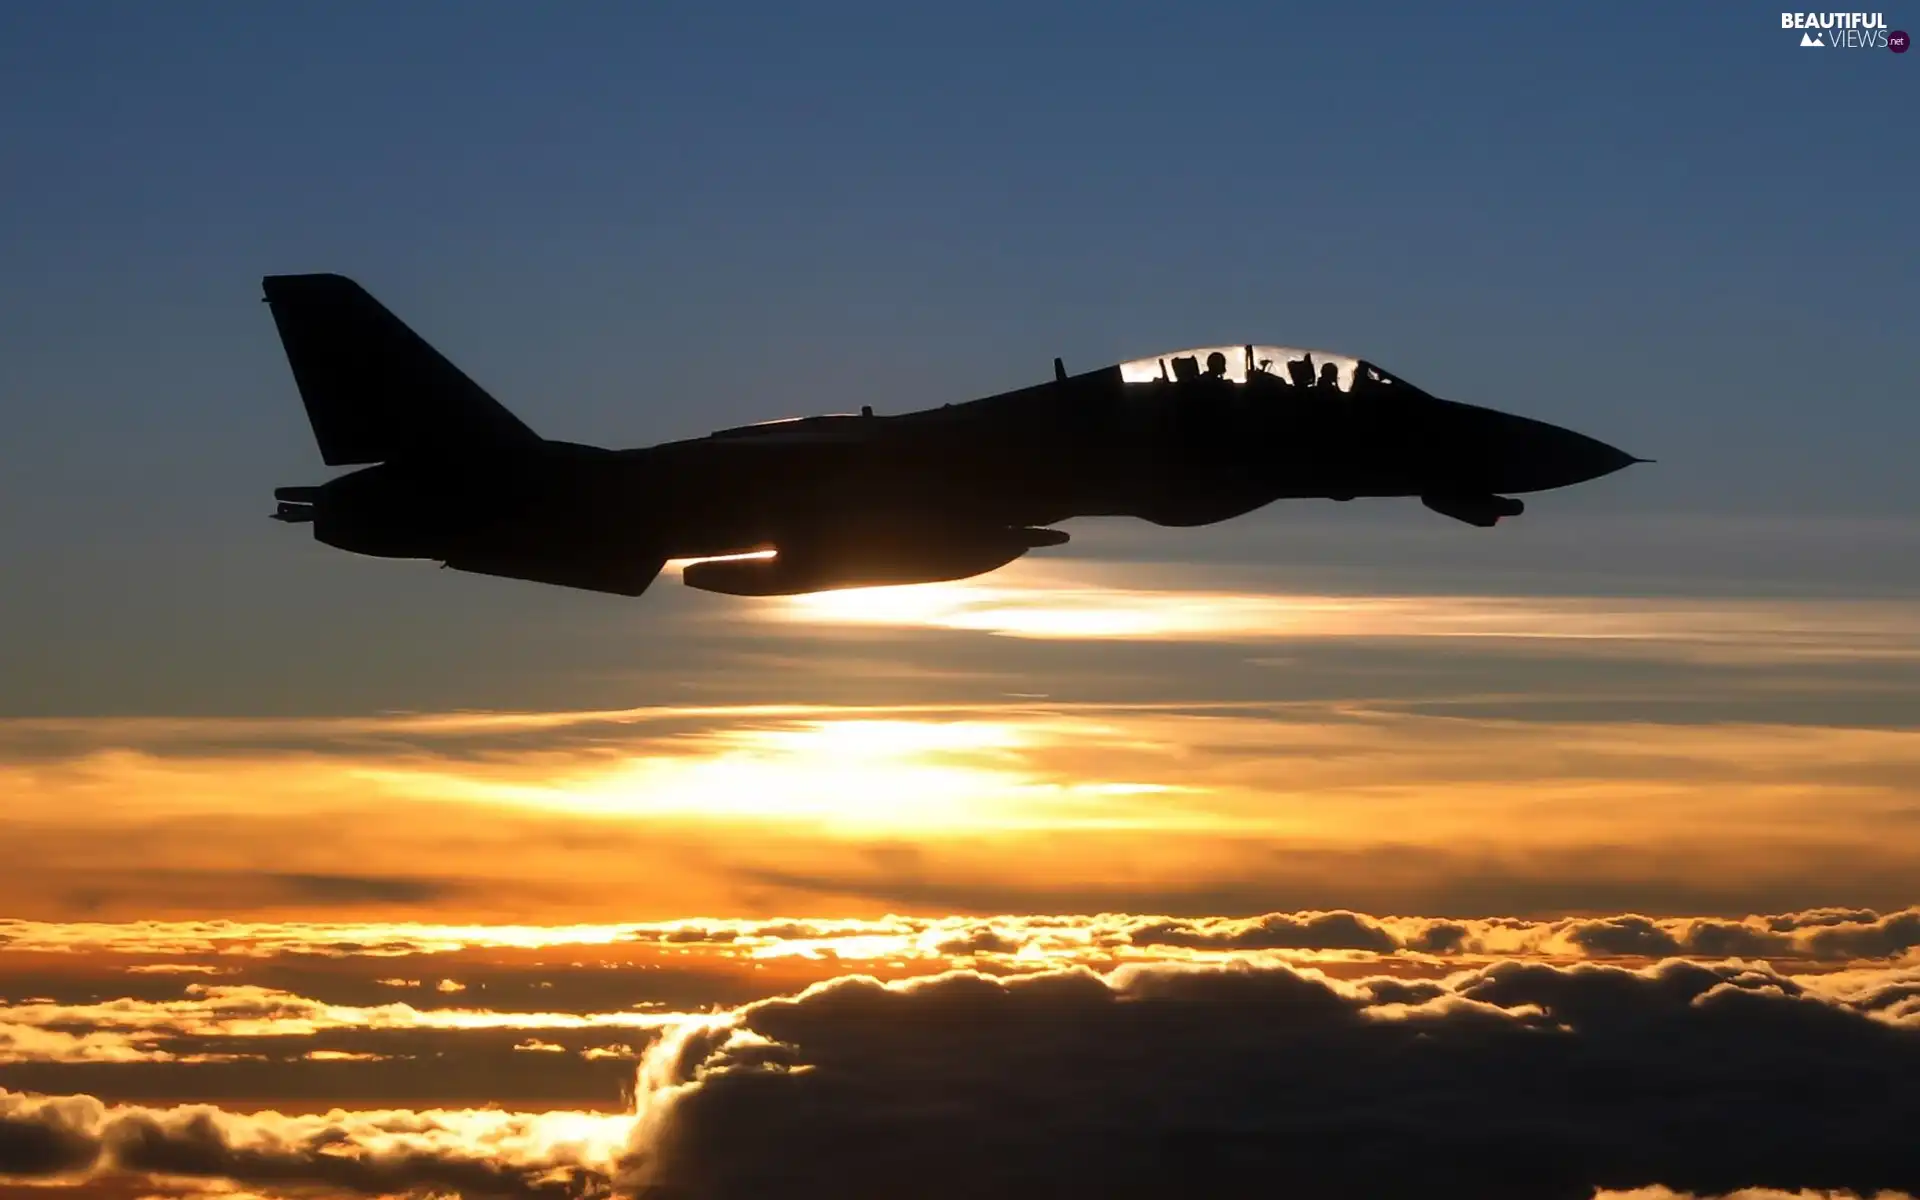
1114 601
244 1011
921 807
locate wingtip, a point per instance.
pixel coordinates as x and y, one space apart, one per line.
308 278
317 283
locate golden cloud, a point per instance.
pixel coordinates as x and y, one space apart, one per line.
1088 600
1117 1077
250 1011
706 805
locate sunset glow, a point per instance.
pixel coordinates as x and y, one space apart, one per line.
1095 602
975 799
1497 781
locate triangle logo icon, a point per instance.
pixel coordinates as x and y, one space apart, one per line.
1811 39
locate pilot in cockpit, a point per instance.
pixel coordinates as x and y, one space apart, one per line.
1217 365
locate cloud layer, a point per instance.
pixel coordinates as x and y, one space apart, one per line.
1822 935
226 947
1114 1055
476 1154
1519 1080
133 1030
1186 809
1106 601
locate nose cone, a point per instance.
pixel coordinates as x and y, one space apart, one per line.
1575 457
1524 455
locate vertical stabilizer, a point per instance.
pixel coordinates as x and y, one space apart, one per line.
374 390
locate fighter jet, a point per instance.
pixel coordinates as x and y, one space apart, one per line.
806 504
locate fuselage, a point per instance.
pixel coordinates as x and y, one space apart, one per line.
1191 438
1175 452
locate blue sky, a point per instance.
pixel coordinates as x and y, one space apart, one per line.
1671 228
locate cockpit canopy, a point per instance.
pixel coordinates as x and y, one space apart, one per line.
1285 365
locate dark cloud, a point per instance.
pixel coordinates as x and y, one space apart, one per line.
1618 936
282 1026
1820 916
1519 1081
696 934
1440 937
199 1145
1878 937
979 939
51 1137
368 1154
1275 931
1821 935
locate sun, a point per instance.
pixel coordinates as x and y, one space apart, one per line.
835 776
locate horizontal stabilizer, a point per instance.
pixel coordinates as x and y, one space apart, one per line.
374 390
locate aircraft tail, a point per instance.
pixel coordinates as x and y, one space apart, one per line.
374 390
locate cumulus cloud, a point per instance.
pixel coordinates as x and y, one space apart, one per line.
1820 935
470 1154
1515 1080
1275 931
979 939
1892 994
1823 935
1826 935
1217 1072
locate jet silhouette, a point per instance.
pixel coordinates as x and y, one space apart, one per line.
1183 439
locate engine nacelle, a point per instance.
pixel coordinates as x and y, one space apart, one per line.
869 560
1483 511
389 512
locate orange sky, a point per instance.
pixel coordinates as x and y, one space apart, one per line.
494 939
1576 754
